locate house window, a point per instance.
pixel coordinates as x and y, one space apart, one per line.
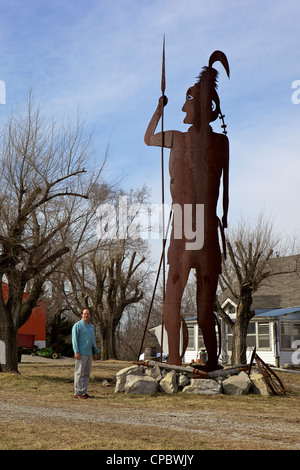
191 342
263 335
251 336
231 309
289 332
296 331
258 336
201 344
285 335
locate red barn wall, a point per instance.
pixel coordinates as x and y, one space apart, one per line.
36 324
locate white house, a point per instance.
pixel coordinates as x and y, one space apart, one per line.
274 332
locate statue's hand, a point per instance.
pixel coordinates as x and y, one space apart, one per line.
163 101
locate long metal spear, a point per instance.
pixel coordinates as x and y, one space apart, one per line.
163 88
164 237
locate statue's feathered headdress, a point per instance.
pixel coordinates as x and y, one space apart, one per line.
208 79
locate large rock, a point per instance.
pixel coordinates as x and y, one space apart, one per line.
259 385
169 383
183 381
237 384
203 387
140 384
122 376
154 372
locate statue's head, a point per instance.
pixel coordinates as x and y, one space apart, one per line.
202 101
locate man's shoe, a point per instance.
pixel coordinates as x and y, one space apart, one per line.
88 396
79 395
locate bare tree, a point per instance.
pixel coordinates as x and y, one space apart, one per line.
42 182
249 249
106 273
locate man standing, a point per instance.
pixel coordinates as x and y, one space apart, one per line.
85 350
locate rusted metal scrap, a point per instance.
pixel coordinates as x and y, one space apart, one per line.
228 371
271 378
184 369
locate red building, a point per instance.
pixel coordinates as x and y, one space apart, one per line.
34 330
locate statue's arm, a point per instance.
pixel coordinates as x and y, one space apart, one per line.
156 139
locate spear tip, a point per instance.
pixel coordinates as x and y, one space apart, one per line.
163 74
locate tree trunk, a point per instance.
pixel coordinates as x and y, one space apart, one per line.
239 342
107 346
9 356
10 314
239 337
55 326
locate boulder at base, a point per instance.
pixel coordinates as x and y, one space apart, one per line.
169 383
259 385
237 384
203 387
122 376
140 385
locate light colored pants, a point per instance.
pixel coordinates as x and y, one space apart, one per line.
82 374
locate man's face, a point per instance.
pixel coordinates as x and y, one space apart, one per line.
86 315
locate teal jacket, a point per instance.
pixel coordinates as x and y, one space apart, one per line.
83 339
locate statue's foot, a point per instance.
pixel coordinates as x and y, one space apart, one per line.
174 360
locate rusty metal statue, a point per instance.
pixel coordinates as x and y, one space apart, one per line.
199 158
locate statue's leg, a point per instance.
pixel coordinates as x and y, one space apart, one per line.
172 322
171 312
206 291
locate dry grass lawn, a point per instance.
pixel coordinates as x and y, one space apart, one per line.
38 411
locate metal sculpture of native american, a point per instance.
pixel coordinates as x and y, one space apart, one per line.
199 159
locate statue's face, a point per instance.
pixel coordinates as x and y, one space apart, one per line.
200 105
189 106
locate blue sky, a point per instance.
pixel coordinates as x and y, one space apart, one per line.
104 56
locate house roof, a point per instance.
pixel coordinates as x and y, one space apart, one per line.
292 313
288 313
280 290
